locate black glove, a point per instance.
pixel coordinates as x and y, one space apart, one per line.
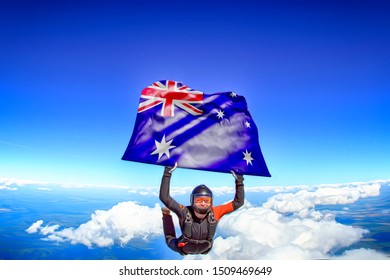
238 177
170 169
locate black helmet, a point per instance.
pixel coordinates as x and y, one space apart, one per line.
201 190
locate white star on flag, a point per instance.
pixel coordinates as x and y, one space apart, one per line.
220 114
247 124
163 147
233 94
248 157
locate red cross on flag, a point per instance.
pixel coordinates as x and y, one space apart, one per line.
171 94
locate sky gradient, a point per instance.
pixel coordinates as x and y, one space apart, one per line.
315 77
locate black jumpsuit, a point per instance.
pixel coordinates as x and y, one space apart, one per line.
200 242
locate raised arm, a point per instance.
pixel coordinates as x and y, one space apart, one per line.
239 197
165 196
237 202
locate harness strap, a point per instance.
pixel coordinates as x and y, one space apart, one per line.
211 222
185 239
188 225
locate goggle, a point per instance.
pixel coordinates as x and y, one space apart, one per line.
199 199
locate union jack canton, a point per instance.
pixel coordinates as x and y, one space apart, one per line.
170 94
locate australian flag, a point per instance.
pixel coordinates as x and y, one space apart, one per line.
213 132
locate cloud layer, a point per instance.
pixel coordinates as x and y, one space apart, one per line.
262 233
119 225
286 226
326 195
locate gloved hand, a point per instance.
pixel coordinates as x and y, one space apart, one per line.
170 169
236 176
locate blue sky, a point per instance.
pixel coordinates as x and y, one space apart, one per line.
315 77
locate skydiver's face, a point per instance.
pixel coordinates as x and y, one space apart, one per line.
203 202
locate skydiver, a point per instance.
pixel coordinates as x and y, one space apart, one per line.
198 221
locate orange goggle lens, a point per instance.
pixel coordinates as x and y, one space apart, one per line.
199 199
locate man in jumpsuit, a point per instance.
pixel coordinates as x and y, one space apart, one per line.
199 220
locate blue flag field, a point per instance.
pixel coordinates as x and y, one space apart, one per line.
212 132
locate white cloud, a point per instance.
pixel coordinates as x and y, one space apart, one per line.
7 188
324 195
154 191
11 182
8 184
120 224
35 227
48 229
287 226
362 188
261 233
362 254
44 189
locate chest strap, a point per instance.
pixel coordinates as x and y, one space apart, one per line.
211 223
